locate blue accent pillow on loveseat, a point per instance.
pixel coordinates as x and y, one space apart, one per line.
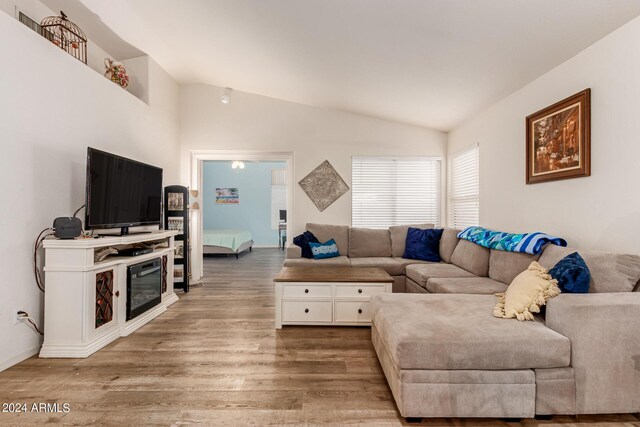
324 250
572 274
423 244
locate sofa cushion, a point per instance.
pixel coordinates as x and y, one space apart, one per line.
341 261
473 258
369 242
420 273
465 285
610 272
459 332
504 266
423 244
405 262
398 235
448 243
390 265
339 233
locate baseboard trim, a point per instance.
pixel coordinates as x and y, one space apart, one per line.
79 350
6 364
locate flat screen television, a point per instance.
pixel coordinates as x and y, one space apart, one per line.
121 192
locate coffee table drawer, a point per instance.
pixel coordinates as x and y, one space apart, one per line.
352 311
306 291
358 290
307 311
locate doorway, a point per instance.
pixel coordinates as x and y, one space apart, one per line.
245 200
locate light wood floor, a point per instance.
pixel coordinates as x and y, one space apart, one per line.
215 358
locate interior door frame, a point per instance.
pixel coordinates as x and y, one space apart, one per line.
198 157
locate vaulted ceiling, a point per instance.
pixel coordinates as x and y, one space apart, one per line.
427 62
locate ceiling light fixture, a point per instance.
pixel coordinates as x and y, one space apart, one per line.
226 96
237 164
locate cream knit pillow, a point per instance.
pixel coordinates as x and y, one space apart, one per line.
529 291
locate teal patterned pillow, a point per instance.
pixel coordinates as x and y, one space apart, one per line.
324 250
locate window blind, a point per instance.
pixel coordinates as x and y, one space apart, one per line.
464 188
395 191
278 177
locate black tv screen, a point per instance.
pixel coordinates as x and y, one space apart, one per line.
121 192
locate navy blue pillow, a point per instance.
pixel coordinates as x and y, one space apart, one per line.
423 244
572 274
303 241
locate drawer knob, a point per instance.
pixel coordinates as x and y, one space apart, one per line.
306 310
117 293
306 291
359 311
359 291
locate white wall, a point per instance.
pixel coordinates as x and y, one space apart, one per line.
52 107
253 122
601 211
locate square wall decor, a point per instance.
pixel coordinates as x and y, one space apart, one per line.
324 185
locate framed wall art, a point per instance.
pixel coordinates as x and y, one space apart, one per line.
558 140
227 196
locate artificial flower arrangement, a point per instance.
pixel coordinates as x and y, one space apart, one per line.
116 72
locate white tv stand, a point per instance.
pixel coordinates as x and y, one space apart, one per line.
85 301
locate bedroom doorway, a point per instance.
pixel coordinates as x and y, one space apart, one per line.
245 202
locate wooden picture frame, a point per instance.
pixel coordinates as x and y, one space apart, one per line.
559 140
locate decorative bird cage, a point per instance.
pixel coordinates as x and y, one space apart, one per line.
66 35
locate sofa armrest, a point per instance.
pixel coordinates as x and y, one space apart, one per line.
294 252
604 330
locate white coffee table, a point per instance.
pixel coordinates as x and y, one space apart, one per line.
329 296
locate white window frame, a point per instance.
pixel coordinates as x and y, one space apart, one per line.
459 220
397 218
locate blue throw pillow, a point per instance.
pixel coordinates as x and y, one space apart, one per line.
572 274
303 241
423 244
324 250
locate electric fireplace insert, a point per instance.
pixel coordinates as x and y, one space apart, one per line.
144 287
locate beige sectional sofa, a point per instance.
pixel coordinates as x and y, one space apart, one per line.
445 355
363 247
